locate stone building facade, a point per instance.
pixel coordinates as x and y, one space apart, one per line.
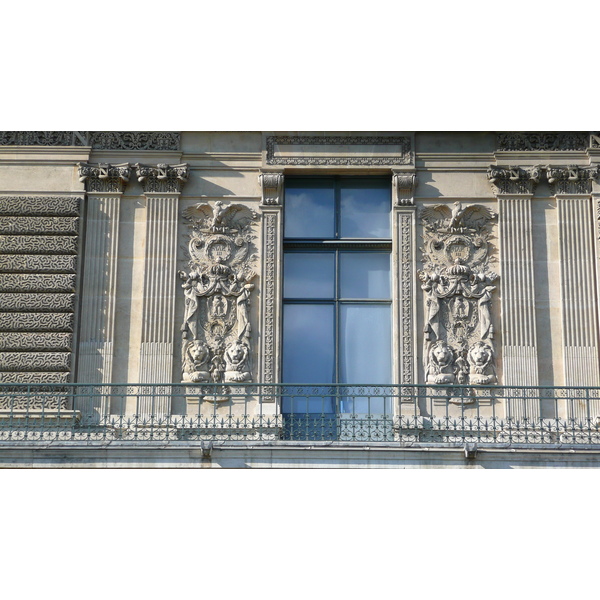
401 282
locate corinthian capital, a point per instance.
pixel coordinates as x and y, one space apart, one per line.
404 184
272 188
162 177
513 180
103 177
571 179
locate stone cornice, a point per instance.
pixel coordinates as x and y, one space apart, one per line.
163 178
572 179
103 177
272 188
513 180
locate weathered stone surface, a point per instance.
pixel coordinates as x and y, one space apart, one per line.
39 205
36 321
38 341
35 361
33 244
33 263
37 282
37 302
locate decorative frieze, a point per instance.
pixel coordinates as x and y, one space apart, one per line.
35 341
65 206
98 140
32 321
513 180
31 403
404 185
39 225
217 345
562 141
32 244
34 378
163 178
37 302
37 282
339 150
37 263
104 178
272 188
458 285
571 180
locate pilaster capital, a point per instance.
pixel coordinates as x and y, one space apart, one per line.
513 180
272 188
404 183
572 179
103 177
162 178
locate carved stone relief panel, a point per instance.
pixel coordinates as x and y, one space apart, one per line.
217 344
561 141
458 284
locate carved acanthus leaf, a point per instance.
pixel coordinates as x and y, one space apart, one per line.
163 177
513 180
103 177
572 179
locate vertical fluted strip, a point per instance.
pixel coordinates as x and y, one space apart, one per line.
519 339
578 284
98 295
158 312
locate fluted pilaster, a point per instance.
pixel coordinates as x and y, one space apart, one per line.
162 186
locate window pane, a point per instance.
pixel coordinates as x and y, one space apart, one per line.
365 275
365 211
308 346
365 353
310 210
308 354
309 275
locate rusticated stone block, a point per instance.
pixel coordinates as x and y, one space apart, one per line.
39 205
39 225
33 263
37 302
37 282
30 377
35 361
36 322
39 341
33 244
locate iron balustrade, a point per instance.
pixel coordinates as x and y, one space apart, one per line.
401 415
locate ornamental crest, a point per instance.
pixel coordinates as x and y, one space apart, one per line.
458 286
216 340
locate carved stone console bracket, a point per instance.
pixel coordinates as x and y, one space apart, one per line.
162 178
272 188
404 185
216 332
104 178
458 285
513 180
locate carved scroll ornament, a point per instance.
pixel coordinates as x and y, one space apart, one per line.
458 286
216 332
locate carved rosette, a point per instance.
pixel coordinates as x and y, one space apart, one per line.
163 178
405 184
104 177
272 188
513 180
572 179
216 332
458 285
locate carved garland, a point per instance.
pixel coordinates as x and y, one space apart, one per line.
216 332
458 286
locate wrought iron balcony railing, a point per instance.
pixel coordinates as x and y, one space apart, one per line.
417 415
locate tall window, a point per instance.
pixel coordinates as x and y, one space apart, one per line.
337 288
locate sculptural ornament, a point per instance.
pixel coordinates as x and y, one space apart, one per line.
216 331
458 285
